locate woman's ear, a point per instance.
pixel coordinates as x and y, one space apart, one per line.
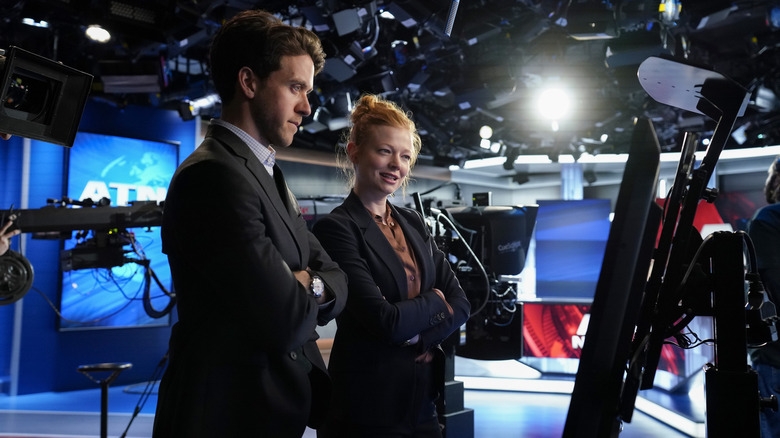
352 152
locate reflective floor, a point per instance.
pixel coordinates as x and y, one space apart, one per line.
497 414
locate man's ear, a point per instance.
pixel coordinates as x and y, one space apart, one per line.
247 82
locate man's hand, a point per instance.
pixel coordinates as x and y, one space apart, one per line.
303 278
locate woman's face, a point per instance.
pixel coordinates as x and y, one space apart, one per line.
383 161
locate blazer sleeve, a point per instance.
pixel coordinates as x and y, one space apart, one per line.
447 282
334 278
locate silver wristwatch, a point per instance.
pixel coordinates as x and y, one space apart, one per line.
317 286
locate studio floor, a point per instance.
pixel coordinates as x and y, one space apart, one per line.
76 414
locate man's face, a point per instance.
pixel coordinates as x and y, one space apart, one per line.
282 100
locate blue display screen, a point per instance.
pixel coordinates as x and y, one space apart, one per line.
571 237
122 170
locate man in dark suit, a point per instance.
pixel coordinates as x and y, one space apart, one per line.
764 231
251 281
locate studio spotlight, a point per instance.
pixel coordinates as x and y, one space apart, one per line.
206 105
511 156
589 176
485 132
521 178
97 33
554 103
319 121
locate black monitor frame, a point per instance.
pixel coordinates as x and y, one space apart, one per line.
629 305
616 303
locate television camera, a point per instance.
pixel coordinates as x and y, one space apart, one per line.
40 98
103 242
487 248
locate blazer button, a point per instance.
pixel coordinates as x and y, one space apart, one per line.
293 355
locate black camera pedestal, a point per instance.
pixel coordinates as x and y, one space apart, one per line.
458 420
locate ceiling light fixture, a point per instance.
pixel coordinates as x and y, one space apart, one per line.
31 22
485 132
554 103
97 33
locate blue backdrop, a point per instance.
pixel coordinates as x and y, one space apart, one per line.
49 357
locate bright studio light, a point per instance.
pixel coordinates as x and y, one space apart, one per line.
485 132
97 33
554 104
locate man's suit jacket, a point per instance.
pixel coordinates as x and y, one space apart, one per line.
372 367
764 231
243 357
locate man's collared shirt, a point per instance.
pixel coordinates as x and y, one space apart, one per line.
266 154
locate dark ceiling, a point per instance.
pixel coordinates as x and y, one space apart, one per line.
487 71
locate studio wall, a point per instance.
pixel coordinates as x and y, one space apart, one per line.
44 358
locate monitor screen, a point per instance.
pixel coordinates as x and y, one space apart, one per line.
570 241
123 170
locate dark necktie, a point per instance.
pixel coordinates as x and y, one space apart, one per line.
281 186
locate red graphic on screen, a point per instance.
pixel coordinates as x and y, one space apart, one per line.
558 331
672 359
548 330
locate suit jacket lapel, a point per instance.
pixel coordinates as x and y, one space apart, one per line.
377 241
266 182
415 241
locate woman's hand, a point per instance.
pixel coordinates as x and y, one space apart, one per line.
441 295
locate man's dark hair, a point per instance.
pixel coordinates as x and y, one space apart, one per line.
258 40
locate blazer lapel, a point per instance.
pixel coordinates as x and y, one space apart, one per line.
415 238
377 241
272 186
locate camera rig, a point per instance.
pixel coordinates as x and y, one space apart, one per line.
104 247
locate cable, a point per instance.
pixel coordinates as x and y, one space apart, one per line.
440 216
457 188
156 375
147 299
96 320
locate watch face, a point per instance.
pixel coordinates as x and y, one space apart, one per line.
317 286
